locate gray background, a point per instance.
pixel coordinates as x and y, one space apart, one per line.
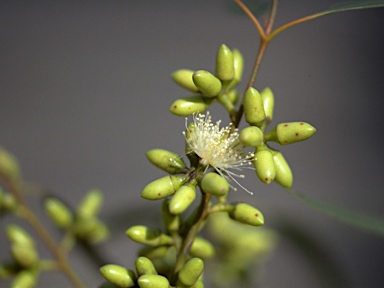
85 92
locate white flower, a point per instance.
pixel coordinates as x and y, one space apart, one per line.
218 147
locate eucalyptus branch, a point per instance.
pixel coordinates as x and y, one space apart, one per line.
31 218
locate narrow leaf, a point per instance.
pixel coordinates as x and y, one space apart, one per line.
347 216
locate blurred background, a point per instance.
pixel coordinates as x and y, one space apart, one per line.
85 90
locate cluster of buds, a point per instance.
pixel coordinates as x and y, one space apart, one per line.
83 224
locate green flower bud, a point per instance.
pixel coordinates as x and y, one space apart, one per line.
8 202
212 183
208 84
148 236
26 256
238 64
163 187
283 172
265 166
233 96
189 105
268 103
9 167
118 275
292 132
91 230
224 64
144 266
153 281
191 271
167 161
202 248
153 252
253 107
251 136
91 203
247 214
183 77
24 279
182 199
171 221
18 236
58 212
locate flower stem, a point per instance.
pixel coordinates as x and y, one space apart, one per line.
31 218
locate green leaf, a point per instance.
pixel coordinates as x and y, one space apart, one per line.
344 215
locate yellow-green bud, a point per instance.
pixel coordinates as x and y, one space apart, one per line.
91 203
191 271
202 248
265 166
238 64
253 107
224 63
182 199
153 281
148 236
8 202
251 136
283 172
18 236
189 105
91 230
268 103
171 221
24 279
144 266
292 132
163 187
153 252
208 84
233 96
183 77
247 214
212 183
58 212
9 167
26 256
166 160
118 275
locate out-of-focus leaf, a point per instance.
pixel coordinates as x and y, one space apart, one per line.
347 216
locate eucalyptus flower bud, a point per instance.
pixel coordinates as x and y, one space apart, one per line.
8 202
183 77
118 275
208 84
26 256
171 221
292 132
265 166
189 105
9 167
148 236
153 252
24 279
167 161
182 199
238 64
251 136
18 236
58 212
191 271
233 96
283 172
253 107
247 214
224 63
202 248
163 187
144 266
212 183
268 103
91 203
91 230
152 281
